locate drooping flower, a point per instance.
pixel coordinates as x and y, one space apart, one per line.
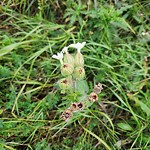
59 56
78 46
79 60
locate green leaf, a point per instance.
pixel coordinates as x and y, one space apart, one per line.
143 106
82 86
121 24
125 126
5 50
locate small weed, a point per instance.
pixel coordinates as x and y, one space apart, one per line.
34 93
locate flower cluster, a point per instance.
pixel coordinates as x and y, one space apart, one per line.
71 66
72 70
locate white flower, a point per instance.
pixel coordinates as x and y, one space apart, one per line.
65 50
59 56
78 46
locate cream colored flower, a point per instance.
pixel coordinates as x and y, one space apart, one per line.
59 56
78 46
68 58
65 50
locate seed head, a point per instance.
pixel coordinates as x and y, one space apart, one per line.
73 107
66 115
77 106
93 97
80 105
97 88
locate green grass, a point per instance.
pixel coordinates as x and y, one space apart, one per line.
116 54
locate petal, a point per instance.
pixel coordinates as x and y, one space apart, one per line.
73 45
65 50
58 56
78 45
55 56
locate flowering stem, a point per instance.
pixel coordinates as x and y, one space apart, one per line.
74 85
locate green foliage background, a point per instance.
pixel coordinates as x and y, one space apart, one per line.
117 34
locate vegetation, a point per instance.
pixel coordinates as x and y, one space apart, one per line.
116 54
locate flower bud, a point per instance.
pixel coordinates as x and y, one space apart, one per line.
79 60
68 58
64 83
79 73
67 69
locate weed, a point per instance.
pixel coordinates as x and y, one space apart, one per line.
116 54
